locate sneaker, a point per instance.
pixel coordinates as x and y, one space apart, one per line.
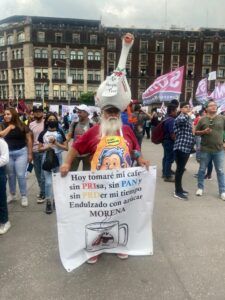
24 201
199 192
122 255
196 175
169 179
5 227
48 208
11 197
180 196
185 193
41 199
93 260
222 196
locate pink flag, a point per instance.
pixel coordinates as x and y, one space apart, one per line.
191 103
219 94
164 88
201 94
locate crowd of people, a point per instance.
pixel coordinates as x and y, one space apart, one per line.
38 138
186 133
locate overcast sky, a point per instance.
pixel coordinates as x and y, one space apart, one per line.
126 13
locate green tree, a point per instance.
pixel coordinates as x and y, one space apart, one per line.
87 98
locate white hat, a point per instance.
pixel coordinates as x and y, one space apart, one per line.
83 107
115 89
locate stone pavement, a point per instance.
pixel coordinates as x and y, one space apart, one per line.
188 260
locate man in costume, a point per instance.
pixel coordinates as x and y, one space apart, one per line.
111 144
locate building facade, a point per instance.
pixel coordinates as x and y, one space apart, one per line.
58 59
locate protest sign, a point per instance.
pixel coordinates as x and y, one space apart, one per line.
164 88
104 211
54 108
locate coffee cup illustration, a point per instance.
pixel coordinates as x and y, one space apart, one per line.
105 235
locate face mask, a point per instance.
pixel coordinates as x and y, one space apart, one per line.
52 124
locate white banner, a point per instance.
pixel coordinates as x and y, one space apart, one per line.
104 211
54 108
67 109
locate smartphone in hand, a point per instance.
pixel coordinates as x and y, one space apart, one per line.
29 169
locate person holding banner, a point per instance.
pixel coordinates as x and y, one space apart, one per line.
111 144
211 129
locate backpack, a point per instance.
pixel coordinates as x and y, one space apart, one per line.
158 133
51 161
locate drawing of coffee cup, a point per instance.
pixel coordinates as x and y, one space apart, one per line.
105 235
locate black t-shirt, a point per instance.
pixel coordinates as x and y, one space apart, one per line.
16 138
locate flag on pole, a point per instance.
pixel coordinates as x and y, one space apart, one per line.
165 87
201 94
219 94
191 103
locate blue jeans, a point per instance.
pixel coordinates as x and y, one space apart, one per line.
48 177
37 160
3 199
16 168
218 160
168 157
198 145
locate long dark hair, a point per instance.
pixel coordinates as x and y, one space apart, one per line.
46 120
15 119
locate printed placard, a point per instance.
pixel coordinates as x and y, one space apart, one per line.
104 211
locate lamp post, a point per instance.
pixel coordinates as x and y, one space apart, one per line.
43 93
69 79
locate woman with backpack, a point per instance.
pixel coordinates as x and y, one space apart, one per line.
51 138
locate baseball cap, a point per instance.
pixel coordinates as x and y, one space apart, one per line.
38 108
83 107
111 108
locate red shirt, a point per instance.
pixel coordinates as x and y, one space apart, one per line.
87 143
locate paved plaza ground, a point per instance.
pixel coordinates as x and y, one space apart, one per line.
188 260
